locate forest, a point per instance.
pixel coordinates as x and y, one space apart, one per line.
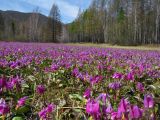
121 22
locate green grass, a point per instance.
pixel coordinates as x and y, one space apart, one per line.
142 47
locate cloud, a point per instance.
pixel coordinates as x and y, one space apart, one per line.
66 8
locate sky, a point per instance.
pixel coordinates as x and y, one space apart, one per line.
68 8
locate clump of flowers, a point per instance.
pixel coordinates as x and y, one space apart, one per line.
87 93
135 112
45 112
117 75
21 102
4 109
148 101
93 108
40 89
115 85
140 87
2 83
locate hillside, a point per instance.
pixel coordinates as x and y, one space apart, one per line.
20 16
27 27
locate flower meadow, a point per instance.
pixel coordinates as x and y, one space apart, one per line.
40 81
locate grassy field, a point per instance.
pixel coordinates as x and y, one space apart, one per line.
47 81
143 47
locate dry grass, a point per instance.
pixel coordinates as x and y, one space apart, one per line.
143 47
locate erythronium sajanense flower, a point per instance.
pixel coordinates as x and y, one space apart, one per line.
113 115
75 72
115 85
140 87
21 102
4 109
15 81
123 107
130 76
135 112
103 97
109 109
148 101
117 75
54 67
44 113
87 93
40 89
96 79
2 82
93 107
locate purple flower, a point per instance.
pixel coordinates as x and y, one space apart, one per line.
54 67
40 89
92 107
4 109
117 75
140 87
50 108
123 106
114 115
79 76
13 64
75 72
9 85
148 101
87 93
141 68
96 79
135 112
103 97
130 76
109 109
43 114
114 85
100 67
21 102
15 81
2 82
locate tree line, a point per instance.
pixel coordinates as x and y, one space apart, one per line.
123 22
33 29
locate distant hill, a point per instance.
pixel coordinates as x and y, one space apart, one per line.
28 27
20 26
20 16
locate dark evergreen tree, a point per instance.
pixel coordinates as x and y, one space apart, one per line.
55 23
2 26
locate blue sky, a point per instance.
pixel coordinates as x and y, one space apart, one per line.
68 8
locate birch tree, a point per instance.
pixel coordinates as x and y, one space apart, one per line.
33 26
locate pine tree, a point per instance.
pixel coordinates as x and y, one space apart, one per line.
55 22
1 26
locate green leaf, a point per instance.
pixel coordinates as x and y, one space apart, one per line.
23 110
25 85
32 78
17 118
77 110
76 97
152 87
90 118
